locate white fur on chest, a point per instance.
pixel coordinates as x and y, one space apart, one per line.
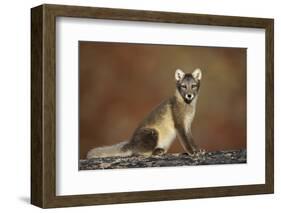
188 119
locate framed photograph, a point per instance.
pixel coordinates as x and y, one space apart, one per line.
136 106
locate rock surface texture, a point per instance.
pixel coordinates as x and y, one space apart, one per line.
176 159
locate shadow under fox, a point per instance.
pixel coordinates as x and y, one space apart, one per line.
173 117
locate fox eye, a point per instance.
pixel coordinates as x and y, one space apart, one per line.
193 86
183 86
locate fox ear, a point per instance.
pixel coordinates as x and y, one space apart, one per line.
197 74
179 74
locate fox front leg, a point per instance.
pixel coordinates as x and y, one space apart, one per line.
187 141
188 144
198 153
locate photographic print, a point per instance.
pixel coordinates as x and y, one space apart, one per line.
134 95
154 105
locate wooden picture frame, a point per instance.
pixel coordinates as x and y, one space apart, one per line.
43 105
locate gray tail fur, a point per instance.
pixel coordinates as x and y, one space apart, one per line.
109 151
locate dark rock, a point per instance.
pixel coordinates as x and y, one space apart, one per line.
171 160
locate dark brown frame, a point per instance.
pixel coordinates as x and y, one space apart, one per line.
43 105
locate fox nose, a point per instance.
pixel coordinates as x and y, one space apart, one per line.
189 96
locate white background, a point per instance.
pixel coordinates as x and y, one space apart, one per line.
71 181
15 105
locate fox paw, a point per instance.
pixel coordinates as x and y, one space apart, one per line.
198 155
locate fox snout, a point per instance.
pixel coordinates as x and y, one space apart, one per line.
189 96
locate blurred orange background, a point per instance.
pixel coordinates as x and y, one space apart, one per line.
120 83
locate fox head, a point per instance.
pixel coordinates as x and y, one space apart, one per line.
188 84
